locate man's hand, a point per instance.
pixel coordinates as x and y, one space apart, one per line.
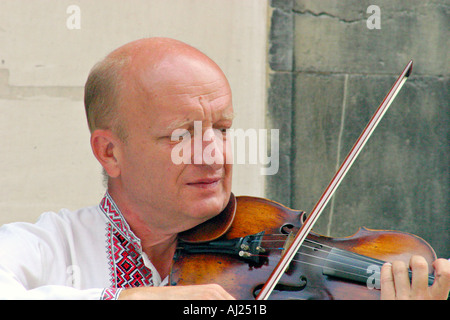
197 292
396 285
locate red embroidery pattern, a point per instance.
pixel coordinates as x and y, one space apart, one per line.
127 266
110 294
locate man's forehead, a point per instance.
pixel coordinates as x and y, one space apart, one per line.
225 115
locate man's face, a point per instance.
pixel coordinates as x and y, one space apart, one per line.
177 196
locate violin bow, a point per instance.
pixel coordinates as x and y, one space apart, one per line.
333 185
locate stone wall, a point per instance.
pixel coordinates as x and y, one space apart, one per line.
325 85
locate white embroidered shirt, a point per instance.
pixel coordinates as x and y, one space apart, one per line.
86 254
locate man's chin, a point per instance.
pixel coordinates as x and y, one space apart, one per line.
207 207
205 222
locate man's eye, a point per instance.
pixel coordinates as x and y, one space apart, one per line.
222 130
180 134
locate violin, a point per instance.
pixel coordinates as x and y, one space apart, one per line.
258 233
258 248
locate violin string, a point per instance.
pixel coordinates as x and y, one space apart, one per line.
321 265
330 260
357 256
375 272
325 260
347 255
334 269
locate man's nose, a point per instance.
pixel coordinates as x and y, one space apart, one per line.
209 148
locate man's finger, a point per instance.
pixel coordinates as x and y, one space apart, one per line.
402 282
441 285
387 282
419 283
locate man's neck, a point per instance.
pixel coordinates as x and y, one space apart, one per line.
159 247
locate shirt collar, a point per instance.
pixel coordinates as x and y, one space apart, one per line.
117 220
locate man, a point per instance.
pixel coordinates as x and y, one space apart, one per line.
136 98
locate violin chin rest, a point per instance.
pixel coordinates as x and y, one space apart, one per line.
213 228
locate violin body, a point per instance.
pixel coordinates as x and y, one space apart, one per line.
326 268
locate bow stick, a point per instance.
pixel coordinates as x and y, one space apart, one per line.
333 185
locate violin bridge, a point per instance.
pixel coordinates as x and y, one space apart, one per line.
290 238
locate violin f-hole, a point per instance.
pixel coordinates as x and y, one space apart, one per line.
284 287
287 228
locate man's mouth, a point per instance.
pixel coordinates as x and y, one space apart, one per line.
205 183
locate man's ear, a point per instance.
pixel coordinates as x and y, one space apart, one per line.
104 145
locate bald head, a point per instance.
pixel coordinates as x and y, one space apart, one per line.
153 51
135 68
